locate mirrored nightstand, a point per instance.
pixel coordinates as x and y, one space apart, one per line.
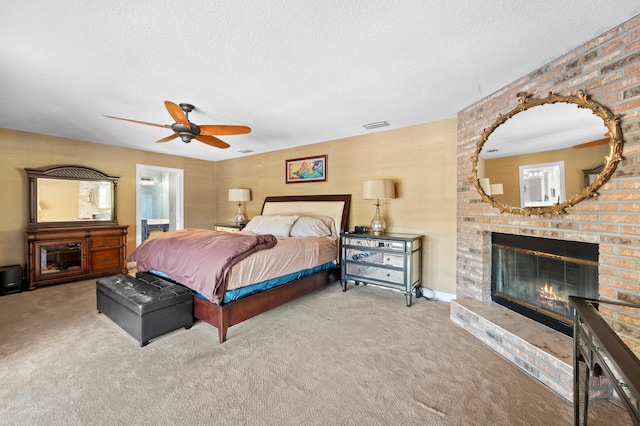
392 261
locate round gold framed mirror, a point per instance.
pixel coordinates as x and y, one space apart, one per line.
540 157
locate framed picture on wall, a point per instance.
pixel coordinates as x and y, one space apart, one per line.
306 169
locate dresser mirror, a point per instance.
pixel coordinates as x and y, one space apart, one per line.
71 195
571 132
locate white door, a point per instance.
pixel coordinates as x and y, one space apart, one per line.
159 198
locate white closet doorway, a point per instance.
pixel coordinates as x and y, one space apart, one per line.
159 200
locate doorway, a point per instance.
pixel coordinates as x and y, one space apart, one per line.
159 200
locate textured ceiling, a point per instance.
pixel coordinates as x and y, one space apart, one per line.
296 72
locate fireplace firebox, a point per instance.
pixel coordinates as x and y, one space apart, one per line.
535 276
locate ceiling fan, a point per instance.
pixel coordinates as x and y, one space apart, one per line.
594 143
187 130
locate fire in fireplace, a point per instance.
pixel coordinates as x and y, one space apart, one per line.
535 276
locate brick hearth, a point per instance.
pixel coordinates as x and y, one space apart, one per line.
540 351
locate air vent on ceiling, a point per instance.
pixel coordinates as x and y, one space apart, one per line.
245 151
376 125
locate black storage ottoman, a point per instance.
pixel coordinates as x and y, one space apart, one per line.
145 306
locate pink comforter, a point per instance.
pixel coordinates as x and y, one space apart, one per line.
199 258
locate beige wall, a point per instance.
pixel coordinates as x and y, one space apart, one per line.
420 159
20 150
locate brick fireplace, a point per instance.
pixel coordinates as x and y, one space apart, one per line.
535 276
608 69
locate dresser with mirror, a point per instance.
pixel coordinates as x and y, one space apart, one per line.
73 230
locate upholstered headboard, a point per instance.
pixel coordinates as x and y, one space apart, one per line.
334 206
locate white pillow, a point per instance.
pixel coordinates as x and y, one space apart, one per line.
250 226
307 226
274 225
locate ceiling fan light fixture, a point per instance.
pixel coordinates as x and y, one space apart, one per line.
186 137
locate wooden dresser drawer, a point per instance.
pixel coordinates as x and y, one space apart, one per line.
107 241
105 259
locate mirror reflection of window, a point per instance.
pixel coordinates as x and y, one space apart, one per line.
100 198
542 184
100 195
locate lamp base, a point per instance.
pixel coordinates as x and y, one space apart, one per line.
239 219
377 225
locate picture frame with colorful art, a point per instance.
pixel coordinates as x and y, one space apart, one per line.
306 169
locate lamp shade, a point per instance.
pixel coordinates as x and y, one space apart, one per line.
239 195
497 189
379 189
485 184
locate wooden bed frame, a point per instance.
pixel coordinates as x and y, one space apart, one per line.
226 315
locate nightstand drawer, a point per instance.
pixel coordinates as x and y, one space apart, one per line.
386 244
373 273
226 228
229 227
393 260
382 258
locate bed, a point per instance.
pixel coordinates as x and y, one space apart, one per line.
223 313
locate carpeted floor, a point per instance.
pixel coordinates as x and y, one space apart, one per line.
330 358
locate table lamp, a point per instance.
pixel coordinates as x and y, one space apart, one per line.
380 189
239 196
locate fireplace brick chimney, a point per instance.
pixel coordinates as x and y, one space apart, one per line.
608 69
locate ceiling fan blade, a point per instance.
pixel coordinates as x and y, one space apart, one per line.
168 138
212 129
213 141
140 122
593 143
177 113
